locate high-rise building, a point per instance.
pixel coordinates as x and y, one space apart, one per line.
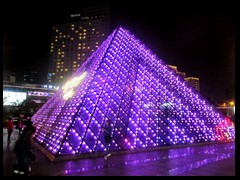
194 82
74 41
181 74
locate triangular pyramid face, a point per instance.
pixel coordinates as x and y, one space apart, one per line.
148 104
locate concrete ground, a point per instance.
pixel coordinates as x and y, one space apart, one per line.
199 160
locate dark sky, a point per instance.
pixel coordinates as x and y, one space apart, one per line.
197 38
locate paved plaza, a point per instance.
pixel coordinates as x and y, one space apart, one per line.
198 160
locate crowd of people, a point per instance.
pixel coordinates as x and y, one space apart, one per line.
23 147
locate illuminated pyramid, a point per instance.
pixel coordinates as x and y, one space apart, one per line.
148 104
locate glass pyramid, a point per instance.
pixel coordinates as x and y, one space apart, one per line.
148 104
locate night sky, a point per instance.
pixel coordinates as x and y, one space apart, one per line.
199 39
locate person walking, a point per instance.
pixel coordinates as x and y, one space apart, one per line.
19 127
107 138
24 152
9 129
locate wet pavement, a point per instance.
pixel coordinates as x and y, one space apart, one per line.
199 160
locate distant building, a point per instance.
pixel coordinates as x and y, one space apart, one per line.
227 109
74 41
182 74
194 82
9 77
31 77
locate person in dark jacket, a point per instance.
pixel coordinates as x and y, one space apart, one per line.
107 138
24 152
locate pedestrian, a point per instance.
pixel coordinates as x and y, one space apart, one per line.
9 128
19 127
29 122
107 138
24 152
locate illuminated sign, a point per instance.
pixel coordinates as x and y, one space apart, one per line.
37 93
50 87
75 15
13 98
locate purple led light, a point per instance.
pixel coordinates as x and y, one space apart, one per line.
147 103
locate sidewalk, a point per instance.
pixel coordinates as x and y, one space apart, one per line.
200 160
